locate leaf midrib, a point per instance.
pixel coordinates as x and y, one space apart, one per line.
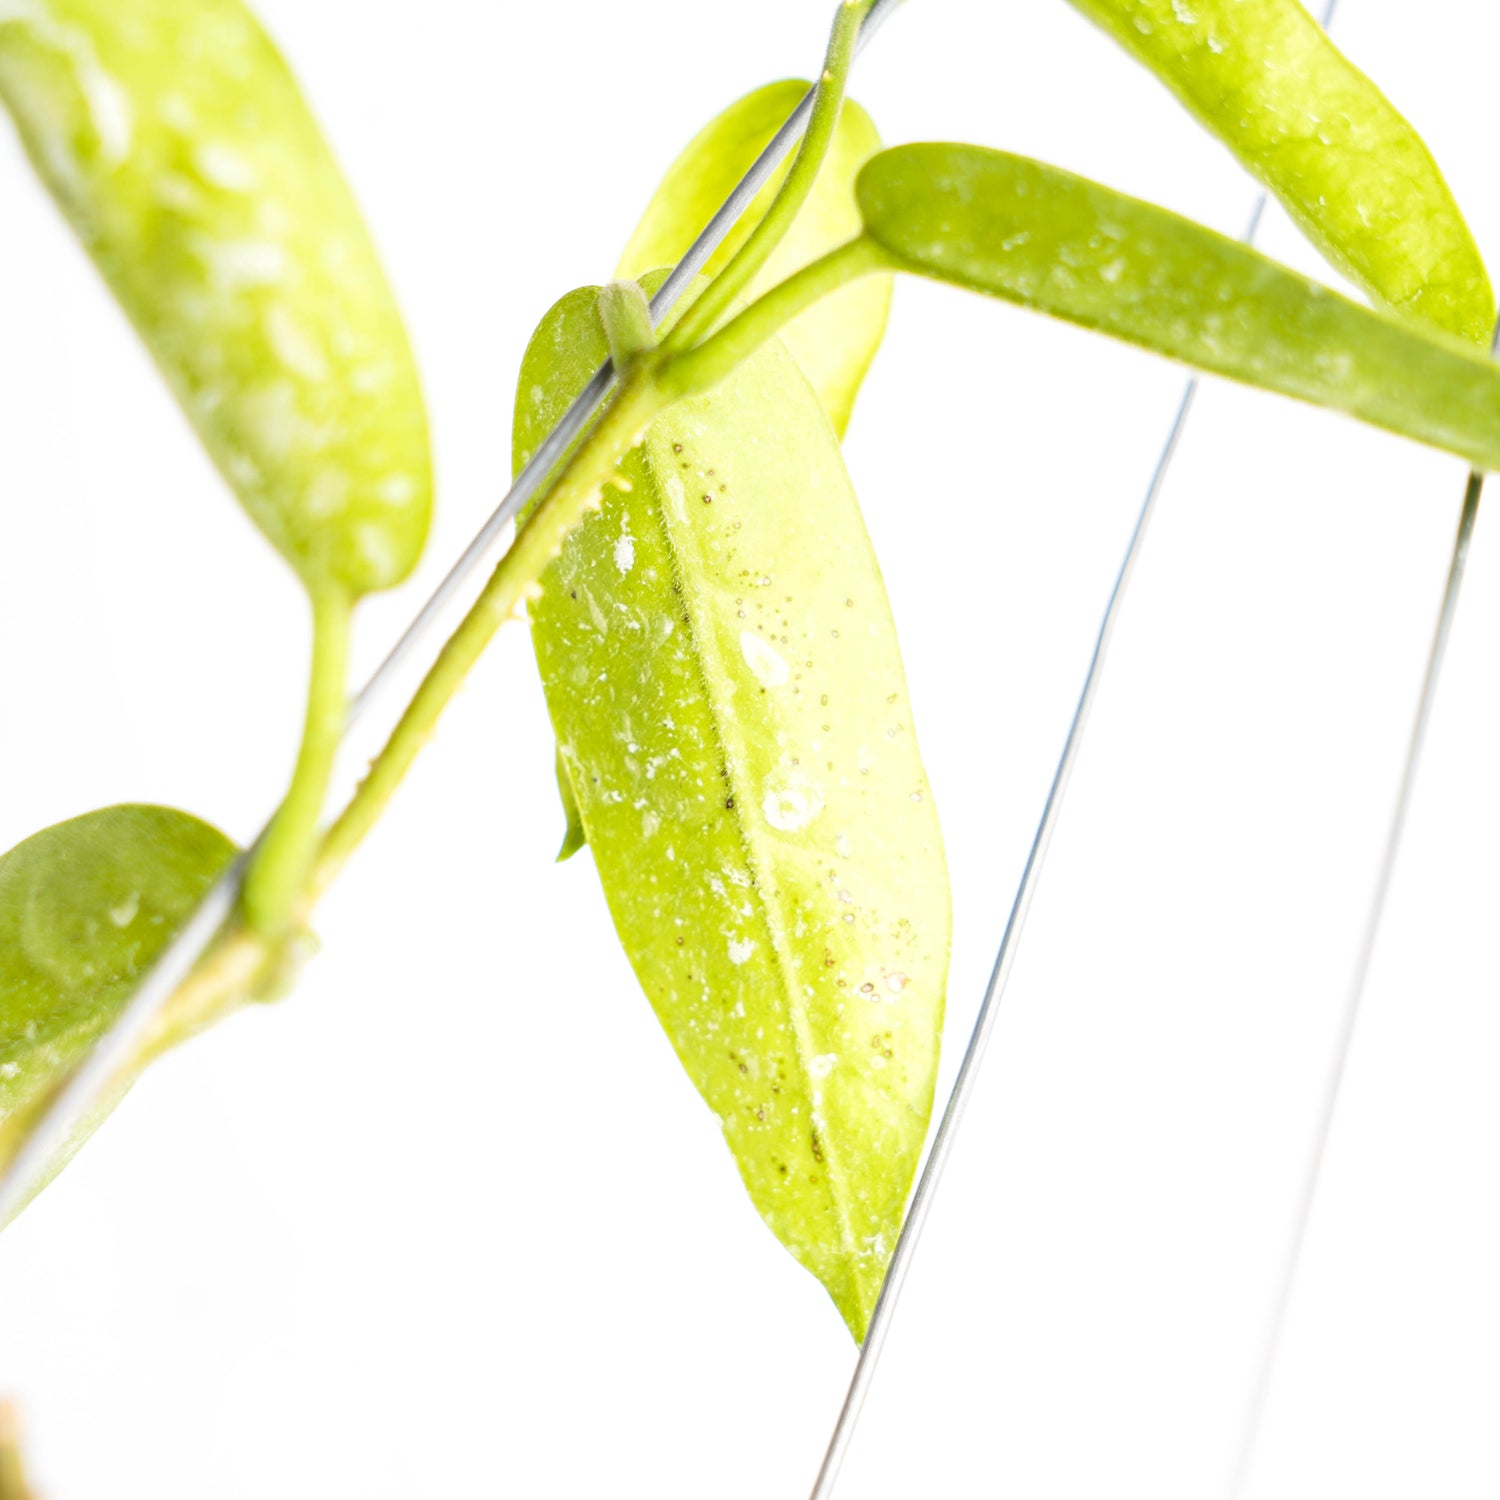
704 656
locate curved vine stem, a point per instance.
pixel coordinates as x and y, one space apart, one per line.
281 864
699 320
695 370
578 488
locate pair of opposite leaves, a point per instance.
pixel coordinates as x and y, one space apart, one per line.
978 218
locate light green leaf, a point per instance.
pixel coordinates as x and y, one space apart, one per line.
85 907
835 341
178 146
1345 163
724 681
573 834
1035 235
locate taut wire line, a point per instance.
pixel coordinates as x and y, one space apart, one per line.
963 1086
1337 1064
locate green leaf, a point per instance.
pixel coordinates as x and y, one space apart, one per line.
726 689
1035 235
1345 163
835 341
85 907
176 143
574 837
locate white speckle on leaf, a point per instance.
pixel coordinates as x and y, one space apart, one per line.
791 803
224 167
740 949
822 1065
398 489
625 551
235 264
677 495
293 345
124 914
176 191
378 551
9 1070
327 494
765 662
270 418
109 105
600 622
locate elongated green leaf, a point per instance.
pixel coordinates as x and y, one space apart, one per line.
1349 168
1033 234
177 144
723 677
835 341
85 906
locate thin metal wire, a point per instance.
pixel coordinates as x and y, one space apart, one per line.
579 414
984 1023
1334 1079
94 1075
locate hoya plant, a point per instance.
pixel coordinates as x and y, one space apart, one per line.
736 751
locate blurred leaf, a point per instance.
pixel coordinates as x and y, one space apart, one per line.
179 148
85 907
1346 165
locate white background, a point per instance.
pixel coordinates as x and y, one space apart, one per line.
450 1221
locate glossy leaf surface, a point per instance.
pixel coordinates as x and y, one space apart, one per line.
724 681
85 906
1035 235
835 341
176 142
1349 168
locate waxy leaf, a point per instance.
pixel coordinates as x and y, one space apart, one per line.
1035 235
834 341
176 143
1348 167
724 682
85 907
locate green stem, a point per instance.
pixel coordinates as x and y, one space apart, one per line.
720 293
626 316
285 856
695 370
578 488
652 382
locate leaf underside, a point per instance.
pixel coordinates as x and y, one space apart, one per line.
727 694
